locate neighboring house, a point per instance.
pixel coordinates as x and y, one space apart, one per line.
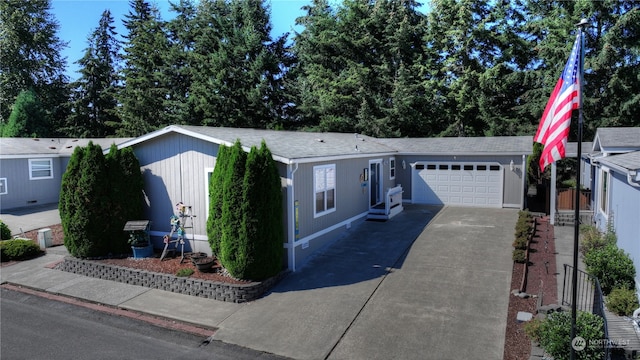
31 168
330 181
616 187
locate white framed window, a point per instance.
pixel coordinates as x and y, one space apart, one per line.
3 186
392 168
604 192
40 169
324 189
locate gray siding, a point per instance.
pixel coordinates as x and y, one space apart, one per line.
23 192
352 203
513 189
173 168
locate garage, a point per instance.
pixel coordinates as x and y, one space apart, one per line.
455 183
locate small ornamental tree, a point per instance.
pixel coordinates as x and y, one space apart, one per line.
126 202
261 239
28 118
70 200
231 254
98 195
214 222
86 228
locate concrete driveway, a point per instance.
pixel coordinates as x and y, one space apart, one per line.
393 290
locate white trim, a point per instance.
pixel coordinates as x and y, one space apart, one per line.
326 210
392 159
207 170
6 189
604 172
31 156
31 177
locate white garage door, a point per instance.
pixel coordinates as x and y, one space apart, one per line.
465 184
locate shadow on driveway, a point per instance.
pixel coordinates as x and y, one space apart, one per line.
367 251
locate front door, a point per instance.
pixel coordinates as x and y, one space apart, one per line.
375 182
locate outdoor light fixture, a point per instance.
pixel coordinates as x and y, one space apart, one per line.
404 165
511 166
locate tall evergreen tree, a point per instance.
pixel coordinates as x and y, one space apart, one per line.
143 97
95 104
177 63
216 199
85 198
232 255
261 237
237 78
27 119
30 59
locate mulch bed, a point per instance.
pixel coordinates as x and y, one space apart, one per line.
541 281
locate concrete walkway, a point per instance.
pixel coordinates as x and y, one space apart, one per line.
396 289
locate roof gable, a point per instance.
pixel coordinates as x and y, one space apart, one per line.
616 140
290 145
629 161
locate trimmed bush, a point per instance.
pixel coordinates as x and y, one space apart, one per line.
554 335
519 256
5 232
593 239
622 301
612 266
232 254
216 196
18 249
262 233
520 243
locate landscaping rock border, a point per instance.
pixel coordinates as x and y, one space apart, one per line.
236 293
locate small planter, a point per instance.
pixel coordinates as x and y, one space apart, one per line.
141 252
204 264
195 257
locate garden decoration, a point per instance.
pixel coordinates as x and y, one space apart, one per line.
178 226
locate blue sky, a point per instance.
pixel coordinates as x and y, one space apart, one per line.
78 18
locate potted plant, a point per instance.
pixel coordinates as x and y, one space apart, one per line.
140 245
204 264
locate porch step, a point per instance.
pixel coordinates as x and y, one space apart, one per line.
566 218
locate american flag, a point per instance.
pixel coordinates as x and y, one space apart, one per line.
554 125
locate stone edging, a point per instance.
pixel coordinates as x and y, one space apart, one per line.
237 293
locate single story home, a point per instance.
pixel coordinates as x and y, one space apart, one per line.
615 164
31 168
330 181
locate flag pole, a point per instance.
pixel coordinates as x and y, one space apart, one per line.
576 222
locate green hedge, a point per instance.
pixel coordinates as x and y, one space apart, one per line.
554 335
622 301
612 266
18 249
5 232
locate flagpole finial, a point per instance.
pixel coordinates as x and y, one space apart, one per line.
582 23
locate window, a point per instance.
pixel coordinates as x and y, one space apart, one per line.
324 187
392 168
468 167
443 167
455 167
603 191
40 169
494 167
481 168
431 167
3 186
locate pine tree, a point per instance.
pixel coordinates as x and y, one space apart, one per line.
95 104
27 119
237 78
142 99
30 59
232 255
70 200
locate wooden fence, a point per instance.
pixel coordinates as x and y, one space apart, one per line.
567 199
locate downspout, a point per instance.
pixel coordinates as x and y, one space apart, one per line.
524 182
291 217
632 178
